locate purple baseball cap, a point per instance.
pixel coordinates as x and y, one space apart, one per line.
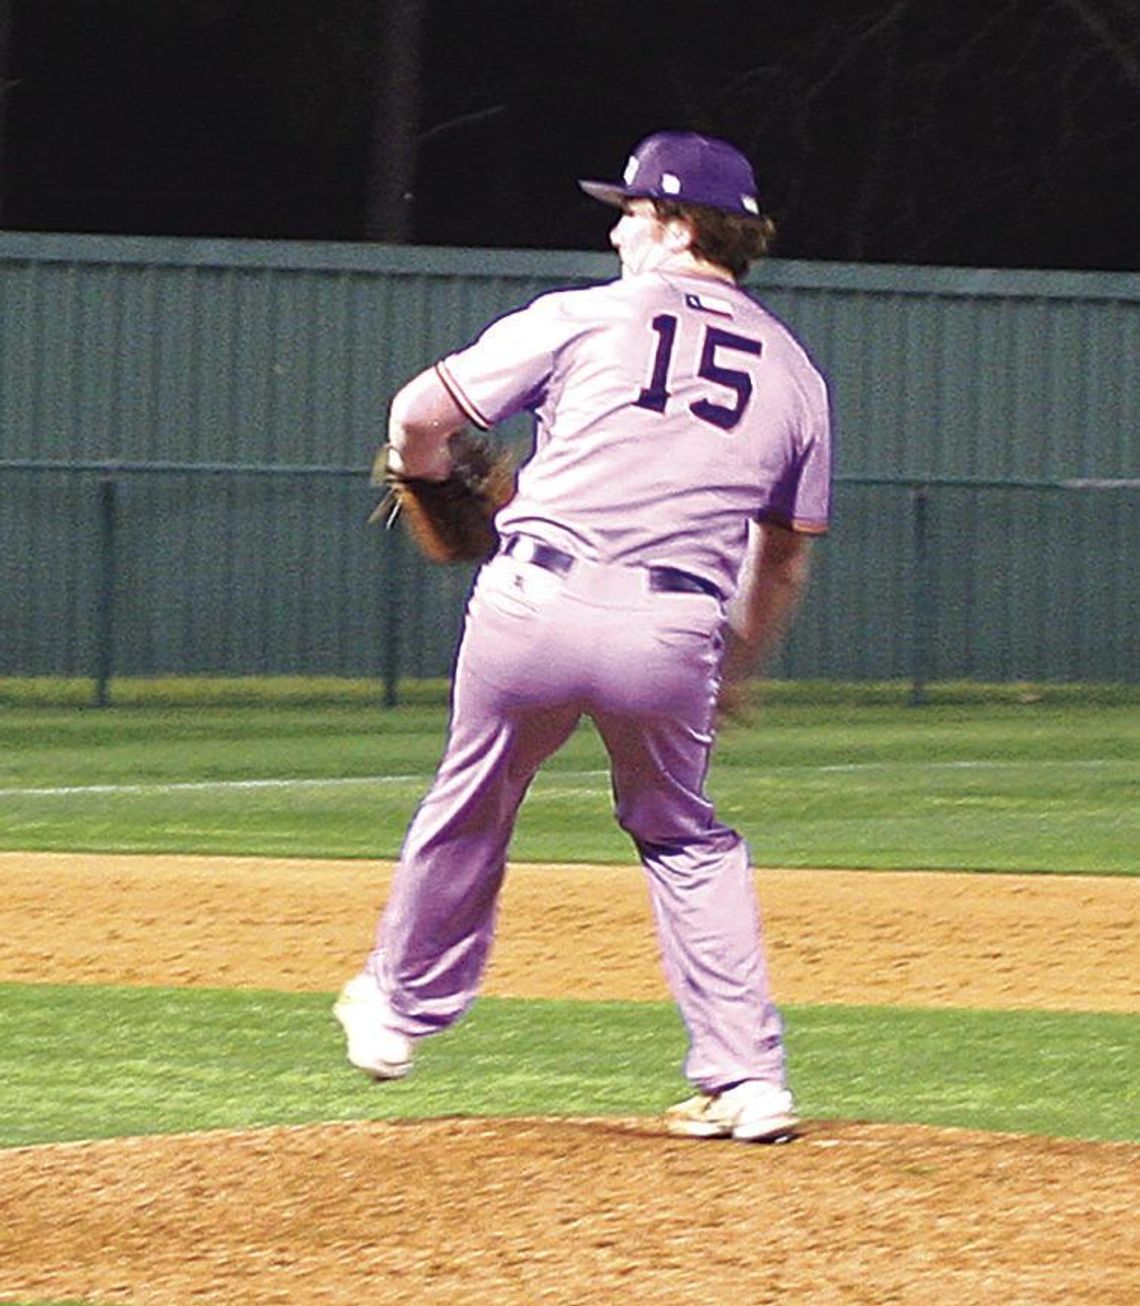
685 167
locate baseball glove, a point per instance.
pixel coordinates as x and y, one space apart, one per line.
450 520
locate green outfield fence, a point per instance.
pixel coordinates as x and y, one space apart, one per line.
166 591
185 429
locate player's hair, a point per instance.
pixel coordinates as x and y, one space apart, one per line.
727 239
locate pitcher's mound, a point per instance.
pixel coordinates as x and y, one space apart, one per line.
571 1211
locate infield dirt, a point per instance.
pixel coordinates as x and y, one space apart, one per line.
572 1211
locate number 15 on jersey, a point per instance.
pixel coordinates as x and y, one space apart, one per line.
717 346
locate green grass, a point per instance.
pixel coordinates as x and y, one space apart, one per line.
985 778
981 778
312 691
90 1062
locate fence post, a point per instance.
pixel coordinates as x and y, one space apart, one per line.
393 612
105 596
922 597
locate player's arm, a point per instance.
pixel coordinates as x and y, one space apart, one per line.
772 581
422 418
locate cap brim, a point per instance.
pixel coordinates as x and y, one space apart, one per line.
607 191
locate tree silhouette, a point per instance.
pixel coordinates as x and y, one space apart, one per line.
391 155
5 88
987 132
902 125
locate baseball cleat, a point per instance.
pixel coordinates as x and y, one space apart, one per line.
373 1046
751 1112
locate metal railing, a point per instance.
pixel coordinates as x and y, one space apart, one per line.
919 608
923 593
110 475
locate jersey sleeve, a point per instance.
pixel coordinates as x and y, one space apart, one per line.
506 368
801 499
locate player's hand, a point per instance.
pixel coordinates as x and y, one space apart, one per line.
736 701
735 704
436 465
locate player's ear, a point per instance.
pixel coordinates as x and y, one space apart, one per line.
679 234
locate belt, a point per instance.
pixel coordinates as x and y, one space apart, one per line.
545 556
670 580
663 580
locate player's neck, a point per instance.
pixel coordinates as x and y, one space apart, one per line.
690 265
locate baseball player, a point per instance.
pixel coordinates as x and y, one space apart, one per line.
680 468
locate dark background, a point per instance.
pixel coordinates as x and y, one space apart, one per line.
997 133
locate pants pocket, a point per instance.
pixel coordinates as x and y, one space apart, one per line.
688 620
516 589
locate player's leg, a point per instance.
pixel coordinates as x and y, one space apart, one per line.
510 711
704 905
659 735
438 924
435 932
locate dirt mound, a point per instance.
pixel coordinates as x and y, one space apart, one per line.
571 1211
498 1211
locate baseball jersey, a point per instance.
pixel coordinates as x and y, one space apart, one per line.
669 410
